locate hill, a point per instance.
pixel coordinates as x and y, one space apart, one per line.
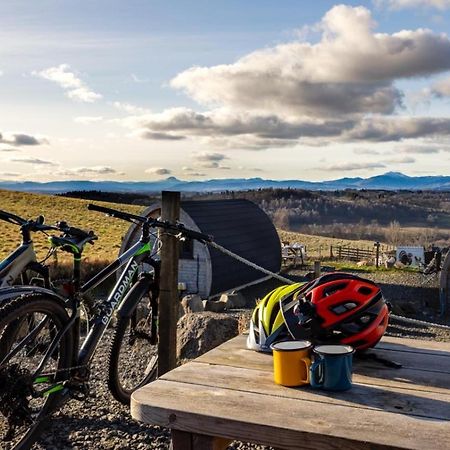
389 181
73 211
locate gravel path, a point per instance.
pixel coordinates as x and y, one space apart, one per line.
101 423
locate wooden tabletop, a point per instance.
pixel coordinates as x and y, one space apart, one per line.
229 392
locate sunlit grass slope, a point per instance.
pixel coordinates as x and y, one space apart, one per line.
74 211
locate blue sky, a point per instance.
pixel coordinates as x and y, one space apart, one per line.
144 90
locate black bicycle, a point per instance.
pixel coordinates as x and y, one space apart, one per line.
44 365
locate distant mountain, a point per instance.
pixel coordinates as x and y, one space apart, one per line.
388 181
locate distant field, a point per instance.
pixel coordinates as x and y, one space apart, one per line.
110 231
320 245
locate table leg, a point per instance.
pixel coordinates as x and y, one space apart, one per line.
183 440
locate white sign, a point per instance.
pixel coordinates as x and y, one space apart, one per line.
411 256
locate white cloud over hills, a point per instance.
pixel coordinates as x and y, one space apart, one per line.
73 86
341 88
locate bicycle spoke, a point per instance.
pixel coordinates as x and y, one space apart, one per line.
25 399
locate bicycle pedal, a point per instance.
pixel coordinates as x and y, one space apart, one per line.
78 391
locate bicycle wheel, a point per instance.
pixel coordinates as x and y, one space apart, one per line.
133 356
26 398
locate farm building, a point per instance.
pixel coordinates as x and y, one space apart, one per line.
238 225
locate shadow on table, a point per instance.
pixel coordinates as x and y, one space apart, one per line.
421 368
382 399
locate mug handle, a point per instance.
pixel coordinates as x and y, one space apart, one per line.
316 365
307 362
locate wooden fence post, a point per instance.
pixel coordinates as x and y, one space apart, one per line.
316 269
168 289
377 254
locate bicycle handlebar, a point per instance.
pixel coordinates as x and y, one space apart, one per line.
178 227
12 218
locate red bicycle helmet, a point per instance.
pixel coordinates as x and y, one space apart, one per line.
337 308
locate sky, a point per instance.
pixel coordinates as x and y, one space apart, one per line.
145 90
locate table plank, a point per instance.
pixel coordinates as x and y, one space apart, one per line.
273 420
415 345
383 398
235 353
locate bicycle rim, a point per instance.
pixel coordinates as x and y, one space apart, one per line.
26 399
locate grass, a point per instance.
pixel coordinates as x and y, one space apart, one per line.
111 231
74 211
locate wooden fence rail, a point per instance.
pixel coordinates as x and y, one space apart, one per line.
357 253
351 253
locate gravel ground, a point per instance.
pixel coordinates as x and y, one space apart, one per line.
102 423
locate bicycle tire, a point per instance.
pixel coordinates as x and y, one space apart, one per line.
116 381
34 304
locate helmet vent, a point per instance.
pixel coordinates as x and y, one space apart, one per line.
343 308
330 290
273 315
365 290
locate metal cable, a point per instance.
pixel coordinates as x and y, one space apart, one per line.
249 263
419 322
288 281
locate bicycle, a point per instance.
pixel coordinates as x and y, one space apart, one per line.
30 389
21 266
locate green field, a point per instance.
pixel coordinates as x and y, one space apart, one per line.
109 231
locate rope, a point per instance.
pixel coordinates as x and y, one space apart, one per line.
288 281
419 322
249 263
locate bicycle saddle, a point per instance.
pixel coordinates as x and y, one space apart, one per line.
75 241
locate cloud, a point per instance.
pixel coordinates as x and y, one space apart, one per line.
100 170
20 139
365 151
383 129
92 170
210 160
226 123
192 172
418 149
158 136
130 108
9 174
158 171
75 88
350 70
35 161
137 79
441 88
403 4
1 73
86 120
355 166
401 160
339 88
208 157
7 149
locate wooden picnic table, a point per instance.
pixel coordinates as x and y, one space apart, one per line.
229 393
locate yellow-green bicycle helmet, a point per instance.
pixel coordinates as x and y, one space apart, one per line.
267 322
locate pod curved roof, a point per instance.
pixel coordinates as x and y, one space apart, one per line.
245 229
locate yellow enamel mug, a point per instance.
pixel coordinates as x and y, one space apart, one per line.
291 362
